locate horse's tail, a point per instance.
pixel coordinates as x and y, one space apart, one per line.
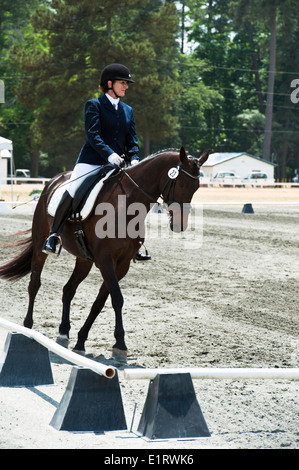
21 264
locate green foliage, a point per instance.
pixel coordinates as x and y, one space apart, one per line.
77 39
194 104
213 96
15 119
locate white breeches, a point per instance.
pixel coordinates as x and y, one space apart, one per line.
80 172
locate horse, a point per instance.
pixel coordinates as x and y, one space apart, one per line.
169 174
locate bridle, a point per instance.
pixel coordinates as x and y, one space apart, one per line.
169 187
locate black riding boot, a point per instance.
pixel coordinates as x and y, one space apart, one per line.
63 211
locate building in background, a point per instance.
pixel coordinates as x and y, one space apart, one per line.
241 164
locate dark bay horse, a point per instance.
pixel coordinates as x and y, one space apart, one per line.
169 174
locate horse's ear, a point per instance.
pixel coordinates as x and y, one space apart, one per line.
183 154
203 158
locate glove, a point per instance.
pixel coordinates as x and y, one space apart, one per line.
134 162
115 159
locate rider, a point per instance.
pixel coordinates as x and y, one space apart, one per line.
111 137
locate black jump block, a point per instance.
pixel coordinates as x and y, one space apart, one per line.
171 410
24 363
247 209
91 402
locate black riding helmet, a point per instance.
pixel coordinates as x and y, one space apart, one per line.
116 72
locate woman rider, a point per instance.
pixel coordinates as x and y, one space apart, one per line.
111 137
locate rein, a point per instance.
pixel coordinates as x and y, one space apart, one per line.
173 174
137 186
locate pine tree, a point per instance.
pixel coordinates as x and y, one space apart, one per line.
277 22
211 31
76 40
15 119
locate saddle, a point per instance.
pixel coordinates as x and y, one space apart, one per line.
83 202
86 194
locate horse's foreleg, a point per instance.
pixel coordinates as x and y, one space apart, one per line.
119 349
33 287
95 310
80 272
109 286
112 278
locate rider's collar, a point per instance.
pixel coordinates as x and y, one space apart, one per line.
113 101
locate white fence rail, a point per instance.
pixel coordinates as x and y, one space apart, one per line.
107 371
217 373
22 180
212 184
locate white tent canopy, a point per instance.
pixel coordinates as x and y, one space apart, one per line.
6 145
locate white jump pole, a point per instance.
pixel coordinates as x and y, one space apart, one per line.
107 371
216 373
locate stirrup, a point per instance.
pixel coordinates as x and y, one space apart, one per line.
50 251
141 257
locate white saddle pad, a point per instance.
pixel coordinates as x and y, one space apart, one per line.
56 196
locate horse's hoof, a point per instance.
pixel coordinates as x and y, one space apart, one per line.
119 355
79 351
63 340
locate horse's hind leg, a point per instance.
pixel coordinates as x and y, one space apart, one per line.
80 272
37 265
40 228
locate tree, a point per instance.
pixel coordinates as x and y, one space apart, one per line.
285 111
195 101
154 96
216 94
15 119
271 79
276 20
76 40
226 70
255 65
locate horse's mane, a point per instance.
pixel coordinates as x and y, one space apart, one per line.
160 153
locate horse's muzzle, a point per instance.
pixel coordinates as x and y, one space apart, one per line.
178 216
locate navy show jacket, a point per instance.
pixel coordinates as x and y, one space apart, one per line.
108 130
